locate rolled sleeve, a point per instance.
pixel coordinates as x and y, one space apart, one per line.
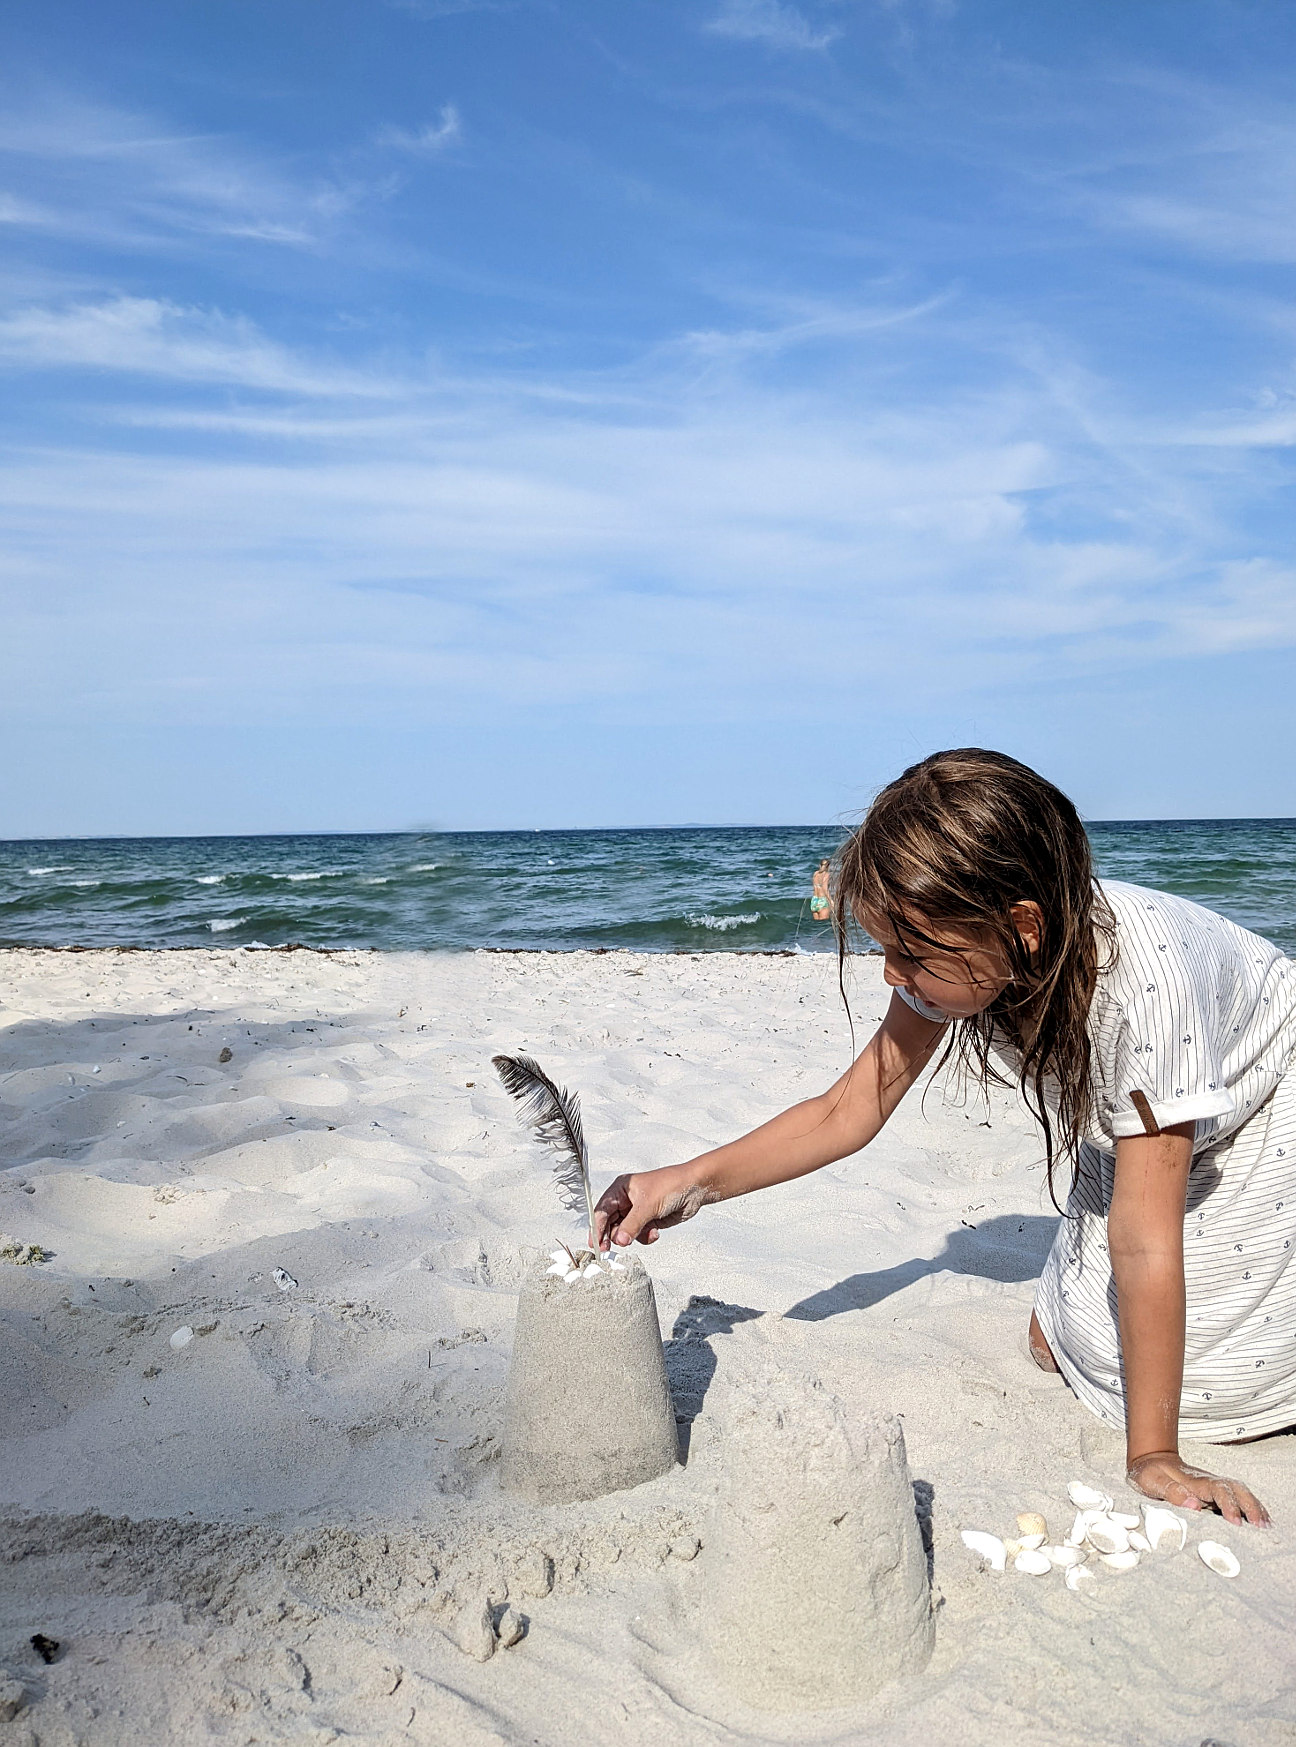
1166 1049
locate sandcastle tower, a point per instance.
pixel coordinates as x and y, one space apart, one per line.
815 1580
589 1409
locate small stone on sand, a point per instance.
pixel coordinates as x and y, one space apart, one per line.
474 1632
512 1628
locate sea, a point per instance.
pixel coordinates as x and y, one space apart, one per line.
691 889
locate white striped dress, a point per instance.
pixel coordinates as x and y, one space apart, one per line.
1200 1016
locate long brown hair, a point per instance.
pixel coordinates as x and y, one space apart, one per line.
958 840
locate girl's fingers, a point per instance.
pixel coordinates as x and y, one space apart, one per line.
1177 1493
1250 1508
613 1204
1221 1494
1235 1503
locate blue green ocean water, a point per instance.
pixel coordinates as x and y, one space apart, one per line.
681 890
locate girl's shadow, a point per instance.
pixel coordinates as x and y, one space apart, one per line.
1006 1247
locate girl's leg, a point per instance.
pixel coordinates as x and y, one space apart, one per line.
1040 1350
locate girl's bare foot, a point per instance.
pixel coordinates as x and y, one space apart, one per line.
1040 1350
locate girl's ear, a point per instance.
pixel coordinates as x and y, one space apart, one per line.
1028 920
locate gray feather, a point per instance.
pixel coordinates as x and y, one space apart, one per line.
554 1115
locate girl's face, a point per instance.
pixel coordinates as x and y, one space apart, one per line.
968 971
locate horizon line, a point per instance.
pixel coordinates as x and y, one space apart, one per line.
569 830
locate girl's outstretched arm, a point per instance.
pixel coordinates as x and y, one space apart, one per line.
803 1139
1145 1238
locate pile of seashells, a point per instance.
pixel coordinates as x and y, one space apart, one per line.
573 1265
1114 1538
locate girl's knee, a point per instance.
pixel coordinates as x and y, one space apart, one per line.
1040 1350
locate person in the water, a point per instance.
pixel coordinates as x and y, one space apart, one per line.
821 902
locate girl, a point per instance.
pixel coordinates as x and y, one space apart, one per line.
1152 1040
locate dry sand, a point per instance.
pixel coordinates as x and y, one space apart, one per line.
291 1528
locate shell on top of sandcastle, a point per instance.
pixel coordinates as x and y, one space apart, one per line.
589 1409
816 1590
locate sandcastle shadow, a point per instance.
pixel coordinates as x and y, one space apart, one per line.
1006 1247
690 1360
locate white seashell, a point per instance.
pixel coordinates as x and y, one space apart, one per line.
1139 1542
1080 1528
1218 1558
1128 1519
1028 1543
590 1269
1106 1536
1029 1523
1032 1562
560 1256
283 1279
1081 1579
572 1274
181 1338
559 1268
1064 1557
1163 1527
1087 1498
1125 1561
616 1267
988 1547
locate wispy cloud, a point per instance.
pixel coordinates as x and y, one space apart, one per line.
419 549
1204 171
432 137
113 176
770 21
144 336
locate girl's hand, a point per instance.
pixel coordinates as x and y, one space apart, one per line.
1164 1474
640 1204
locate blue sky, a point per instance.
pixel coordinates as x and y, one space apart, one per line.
488 414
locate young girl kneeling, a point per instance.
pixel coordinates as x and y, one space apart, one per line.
1153 1041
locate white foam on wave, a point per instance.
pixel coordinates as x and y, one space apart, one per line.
723 923
211 879
382 881
224 924
85 882
36 872
425 867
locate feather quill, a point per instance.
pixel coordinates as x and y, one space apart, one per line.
554 1115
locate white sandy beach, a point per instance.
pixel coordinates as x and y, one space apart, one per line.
272 1534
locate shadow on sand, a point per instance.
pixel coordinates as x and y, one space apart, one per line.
1006 1247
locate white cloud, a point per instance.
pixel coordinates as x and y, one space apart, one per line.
657 546
109 175
15 211
769 21
150 337
431 138
1207 168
